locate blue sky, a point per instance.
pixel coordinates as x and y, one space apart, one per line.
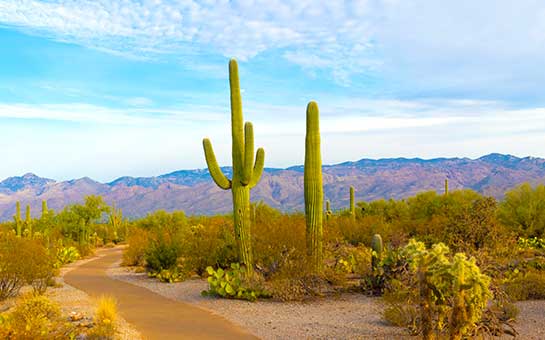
111 88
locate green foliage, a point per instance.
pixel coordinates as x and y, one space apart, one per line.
234 283
246 174
66 255
450 292
162 254
531 243
313 187
523 210
169 275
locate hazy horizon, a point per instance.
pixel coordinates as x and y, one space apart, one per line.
105 89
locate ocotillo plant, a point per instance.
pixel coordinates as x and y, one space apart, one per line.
352 203
314 191
17 219
246 174
376 246
28 221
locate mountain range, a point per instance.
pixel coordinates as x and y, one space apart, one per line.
194 191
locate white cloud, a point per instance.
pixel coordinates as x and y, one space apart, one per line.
451 43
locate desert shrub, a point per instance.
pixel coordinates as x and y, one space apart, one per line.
23 261
531 243
35 317
210 245
162 254
105 319
169 275
66 255
234 283
449 292
523 210
525 285
135 253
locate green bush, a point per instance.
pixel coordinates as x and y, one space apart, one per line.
233 283
162 254
169 275
66 255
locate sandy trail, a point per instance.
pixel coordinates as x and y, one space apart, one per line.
154 316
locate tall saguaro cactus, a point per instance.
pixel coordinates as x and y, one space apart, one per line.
246 173
446 187
314 192
328 211
352 203
17 219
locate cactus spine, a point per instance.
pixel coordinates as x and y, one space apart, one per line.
17 219
352 203
376 246
314 194
246 173
28 221
446 187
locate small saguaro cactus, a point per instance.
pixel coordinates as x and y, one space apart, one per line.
352 203
28 221
246 173
314 191
17 219
45 212
376 246
446 187
328 211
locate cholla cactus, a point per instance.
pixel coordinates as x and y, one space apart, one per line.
314 192
246 173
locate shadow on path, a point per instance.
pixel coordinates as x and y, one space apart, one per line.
153 315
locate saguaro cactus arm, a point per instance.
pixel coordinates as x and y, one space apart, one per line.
248 168
258 167
215 171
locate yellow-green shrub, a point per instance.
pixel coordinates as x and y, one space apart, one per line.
105 319
35 317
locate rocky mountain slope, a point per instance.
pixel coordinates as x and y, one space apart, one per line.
194 192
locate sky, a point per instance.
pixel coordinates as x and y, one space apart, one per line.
108 88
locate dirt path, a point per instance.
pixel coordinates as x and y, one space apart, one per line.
155 316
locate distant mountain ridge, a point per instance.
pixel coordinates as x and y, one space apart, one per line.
194 191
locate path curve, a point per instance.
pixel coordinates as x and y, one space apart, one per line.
153 315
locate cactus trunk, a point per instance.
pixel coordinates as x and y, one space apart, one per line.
376 246
352 203
246 172
17 219
28 221
44 209
446 186
314 195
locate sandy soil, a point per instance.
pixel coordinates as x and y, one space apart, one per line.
155 316
346 317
